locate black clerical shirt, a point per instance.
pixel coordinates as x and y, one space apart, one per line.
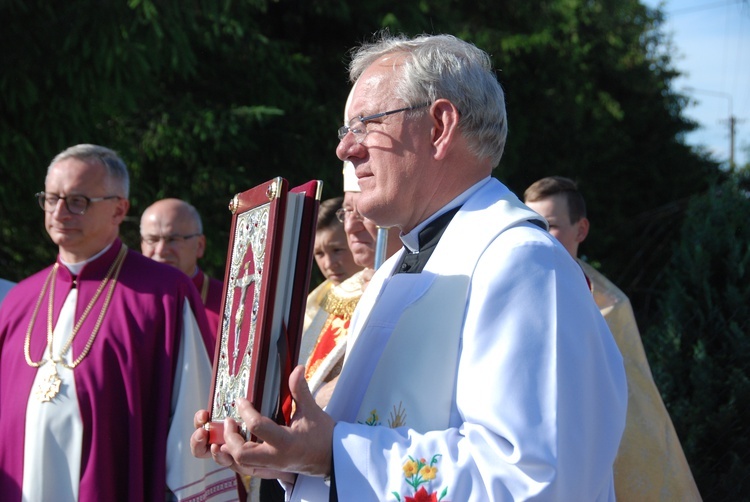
413 263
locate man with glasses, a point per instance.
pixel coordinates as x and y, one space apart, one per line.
103 357
336 263
172 233
478 367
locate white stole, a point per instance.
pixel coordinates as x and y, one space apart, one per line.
54 430
404 341
403 350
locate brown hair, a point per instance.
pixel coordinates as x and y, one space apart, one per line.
327 213
553 185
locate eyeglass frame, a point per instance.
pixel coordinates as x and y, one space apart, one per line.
42 199
168 239
346 129
342 213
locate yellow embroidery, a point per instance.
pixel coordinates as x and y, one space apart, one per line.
410 468
398 416
373 419
418 474
342 299
428 472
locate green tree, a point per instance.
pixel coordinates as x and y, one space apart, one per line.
700 351
76 72
208 100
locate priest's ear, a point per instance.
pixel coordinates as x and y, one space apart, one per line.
445 117
120 210
201 246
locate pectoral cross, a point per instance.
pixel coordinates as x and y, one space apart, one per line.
49 386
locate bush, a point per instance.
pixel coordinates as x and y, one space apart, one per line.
700 348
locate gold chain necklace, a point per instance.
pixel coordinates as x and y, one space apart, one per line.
204 288
50 385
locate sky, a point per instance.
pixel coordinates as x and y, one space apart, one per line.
711 41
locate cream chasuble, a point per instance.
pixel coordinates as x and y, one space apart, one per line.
650 464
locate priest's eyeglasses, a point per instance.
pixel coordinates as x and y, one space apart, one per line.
358 125
169 240
342 214
75 204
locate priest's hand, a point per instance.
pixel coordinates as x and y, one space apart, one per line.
199 446
304 447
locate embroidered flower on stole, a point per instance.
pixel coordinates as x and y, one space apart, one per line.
419 473
397 417
373 419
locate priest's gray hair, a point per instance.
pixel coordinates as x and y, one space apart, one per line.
443 66
117 171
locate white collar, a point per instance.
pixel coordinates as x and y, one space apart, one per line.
411 240
75 268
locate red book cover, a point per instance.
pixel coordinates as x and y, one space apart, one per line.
269 261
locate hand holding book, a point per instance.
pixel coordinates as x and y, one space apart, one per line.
304 446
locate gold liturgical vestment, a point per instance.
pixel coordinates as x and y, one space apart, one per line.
650 464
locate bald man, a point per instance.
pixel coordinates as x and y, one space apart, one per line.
172 233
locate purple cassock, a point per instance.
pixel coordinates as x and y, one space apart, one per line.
124 385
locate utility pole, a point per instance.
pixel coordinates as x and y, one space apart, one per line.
732 121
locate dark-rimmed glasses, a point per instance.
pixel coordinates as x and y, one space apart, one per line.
75 204
153 240
358 126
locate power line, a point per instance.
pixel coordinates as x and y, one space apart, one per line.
697 8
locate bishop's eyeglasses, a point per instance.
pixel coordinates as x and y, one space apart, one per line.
358 125
75 204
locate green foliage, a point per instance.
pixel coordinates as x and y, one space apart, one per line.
197 99
700 351
206 99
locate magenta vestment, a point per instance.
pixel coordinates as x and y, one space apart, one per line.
124 385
